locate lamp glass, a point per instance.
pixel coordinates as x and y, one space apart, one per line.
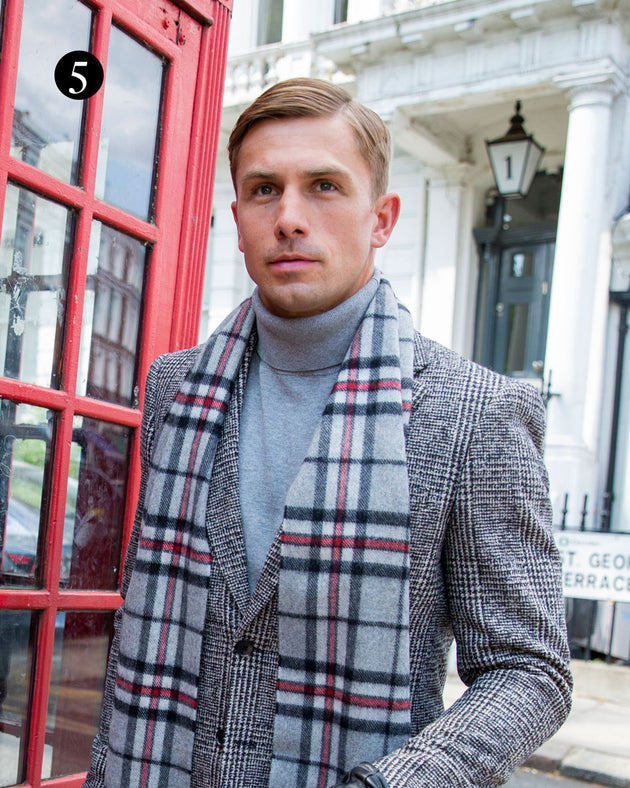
514 164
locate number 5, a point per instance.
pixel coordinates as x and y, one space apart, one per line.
80 77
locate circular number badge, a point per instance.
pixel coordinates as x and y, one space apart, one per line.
78 75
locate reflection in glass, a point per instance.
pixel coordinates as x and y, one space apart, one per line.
95 505
25 450
518 316
522 265
129 129
111 316
78 672
17 637
35 252
46 124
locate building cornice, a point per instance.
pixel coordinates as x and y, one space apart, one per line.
598 82
463 74
420 28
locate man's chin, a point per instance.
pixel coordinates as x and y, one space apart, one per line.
292 301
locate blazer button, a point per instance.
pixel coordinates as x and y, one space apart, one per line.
244 648
220 737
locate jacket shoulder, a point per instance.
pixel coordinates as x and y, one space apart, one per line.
164 379
168 370
441 365
434 358
452 388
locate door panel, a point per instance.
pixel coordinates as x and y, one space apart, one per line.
522 309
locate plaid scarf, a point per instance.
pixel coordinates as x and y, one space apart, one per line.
343 681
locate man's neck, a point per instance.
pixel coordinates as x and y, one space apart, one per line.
311 343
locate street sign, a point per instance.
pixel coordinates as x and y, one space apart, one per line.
595 565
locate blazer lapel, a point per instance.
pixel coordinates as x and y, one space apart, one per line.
266 586
223 513
420 362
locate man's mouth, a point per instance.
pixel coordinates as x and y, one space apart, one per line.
291 262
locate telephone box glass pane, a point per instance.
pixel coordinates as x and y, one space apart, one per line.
95 508
35 251
129 132
17 638
76 688
26 434
47 125
111 316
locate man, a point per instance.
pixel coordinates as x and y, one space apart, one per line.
326 498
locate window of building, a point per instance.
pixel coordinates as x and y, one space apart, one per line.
270 13
341 12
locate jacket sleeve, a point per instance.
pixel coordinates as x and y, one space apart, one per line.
162 383
502 578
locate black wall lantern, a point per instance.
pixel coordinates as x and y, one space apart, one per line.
514 158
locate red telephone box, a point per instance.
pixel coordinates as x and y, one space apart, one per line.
105 210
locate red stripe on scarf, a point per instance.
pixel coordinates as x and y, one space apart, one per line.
208 404
369 701
349 542
367 385
176 549
156 692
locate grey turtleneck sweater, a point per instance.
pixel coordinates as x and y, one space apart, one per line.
290 378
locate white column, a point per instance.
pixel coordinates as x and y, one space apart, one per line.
243 27
446 258
579 299
399 258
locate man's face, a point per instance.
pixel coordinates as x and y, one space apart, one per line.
307 220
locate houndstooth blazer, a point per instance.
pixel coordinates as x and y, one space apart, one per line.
484 568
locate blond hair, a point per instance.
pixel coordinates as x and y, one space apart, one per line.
303 97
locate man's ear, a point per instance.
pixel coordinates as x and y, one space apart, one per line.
238 231
386 213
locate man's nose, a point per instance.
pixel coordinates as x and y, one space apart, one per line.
291 217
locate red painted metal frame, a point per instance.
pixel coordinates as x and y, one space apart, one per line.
191 35
198 205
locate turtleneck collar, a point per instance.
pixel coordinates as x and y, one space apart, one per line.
308 344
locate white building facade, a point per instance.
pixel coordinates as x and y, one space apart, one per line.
523 286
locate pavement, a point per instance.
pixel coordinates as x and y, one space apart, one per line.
593 745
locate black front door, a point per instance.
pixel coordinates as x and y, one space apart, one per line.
522 309
513 300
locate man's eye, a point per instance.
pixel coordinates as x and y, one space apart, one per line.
264 189
326 186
